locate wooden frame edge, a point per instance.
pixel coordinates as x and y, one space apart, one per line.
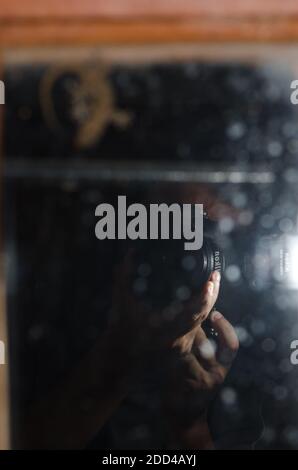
75 32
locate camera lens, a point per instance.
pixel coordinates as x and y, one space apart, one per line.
164 272
212 258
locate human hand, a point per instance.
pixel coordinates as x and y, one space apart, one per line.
194 371
143 333
197 369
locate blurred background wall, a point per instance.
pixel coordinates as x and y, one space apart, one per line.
59 23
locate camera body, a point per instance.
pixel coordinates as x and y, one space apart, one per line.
164 273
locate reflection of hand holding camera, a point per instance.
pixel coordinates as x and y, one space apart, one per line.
193 378
193 368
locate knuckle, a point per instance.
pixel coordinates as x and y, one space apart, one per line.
208 382
218 375
198 317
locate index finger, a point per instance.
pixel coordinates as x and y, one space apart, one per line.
228 343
